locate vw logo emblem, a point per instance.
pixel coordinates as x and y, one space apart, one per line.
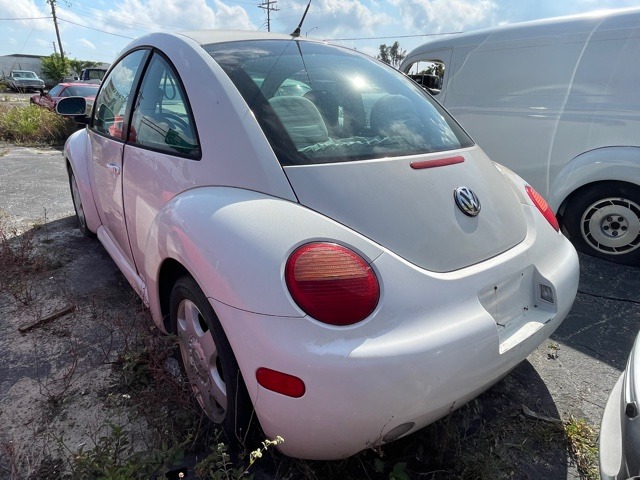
467 201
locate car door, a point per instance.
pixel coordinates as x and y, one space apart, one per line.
107 135
47 100
162 155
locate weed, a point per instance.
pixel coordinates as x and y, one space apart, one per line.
8 460
18 260
582 440
34 125
114 457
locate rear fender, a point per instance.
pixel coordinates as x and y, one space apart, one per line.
77 152
602 164
235 244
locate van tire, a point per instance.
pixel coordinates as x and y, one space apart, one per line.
603 220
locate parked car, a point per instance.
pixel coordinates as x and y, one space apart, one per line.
50 99
24 80
339 257
556 100
620 429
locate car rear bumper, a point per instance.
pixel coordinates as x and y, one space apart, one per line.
434 343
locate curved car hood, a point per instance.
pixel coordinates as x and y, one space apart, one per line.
412 212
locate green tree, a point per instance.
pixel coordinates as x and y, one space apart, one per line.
55 67
392 55
78 65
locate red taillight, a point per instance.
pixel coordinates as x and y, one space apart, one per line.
543 206
332 283
280 382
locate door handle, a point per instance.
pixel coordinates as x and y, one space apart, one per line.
113 168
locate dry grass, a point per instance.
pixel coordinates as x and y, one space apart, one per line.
33 125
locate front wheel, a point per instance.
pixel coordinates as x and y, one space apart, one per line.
604 221
208 360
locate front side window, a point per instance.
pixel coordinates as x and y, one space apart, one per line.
162 119
110 106
318 103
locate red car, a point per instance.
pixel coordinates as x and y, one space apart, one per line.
61 90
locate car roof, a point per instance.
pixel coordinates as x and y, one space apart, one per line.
78 84
204 37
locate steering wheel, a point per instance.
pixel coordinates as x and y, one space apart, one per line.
177 120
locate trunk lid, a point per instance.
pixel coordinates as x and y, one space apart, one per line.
412 211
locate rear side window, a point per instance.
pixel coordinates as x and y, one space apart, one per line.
162 119
318 103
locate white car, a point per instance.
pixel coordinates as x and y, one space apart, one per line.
620 428
329 245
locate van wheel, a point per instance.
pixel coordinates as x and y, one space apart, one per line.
208 360
604 221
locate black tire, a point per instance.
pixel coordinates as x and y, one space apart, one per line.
208 360
603 221
78 207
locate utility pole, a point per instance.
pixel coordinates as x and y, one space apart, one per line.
55 23
267 5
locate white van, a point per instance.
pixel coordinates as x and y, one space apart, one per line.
557 101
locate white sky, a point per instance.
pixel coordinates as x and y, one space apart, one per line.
98 29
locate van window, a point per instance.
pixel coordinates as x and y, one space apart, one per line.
428 74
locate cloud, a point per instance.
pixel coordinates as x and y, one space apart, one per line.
86 43
178 15
332 18
439 16
26 9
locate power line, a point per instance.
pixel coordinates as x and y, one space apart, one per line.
25 18
95 29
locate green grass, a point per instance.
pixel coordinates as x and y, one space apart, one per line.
33 125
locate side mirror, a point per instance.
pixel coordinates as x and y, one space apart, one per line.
75 107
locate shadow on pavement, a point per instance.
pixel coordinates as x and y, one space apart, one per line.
605 317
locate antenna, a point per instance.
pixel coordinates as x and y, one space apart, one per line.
296 32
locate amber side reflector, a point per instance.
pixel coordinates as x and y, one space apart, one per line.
280 382
441 162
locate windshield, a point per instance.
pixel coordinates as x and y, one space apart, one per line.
24 75
318 103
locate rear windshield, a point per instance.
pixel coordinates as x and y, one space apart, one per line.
318 103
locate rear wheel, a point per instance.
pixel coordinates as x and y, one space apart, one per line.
78 207
604 221
208 360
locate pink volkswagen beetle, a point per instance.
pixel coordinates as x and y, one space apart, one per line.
338 259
